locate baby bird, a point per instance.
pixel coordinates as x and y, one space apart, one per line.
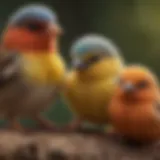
135 107
96 63
32 32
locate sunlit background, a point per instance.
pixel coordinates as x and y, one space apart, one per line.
134 25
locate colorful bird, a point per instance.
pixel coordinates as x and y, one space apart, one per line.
32 32
96 63
38 25
135 107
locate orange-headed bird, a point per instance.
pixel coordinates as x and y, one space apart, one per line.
32 32
135 108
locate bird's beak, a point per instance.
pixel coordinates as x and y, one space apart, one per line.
55 29
79 65
129 87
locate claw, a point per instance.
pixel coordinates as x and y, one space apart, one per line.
74 126
45 123
14 125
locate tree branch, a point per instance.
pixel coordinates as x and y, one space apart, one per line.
71 146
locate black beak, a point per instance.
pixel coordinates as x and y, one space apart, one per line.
80 65
129 88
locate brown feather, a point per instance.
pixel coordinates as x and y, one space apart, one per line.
19 97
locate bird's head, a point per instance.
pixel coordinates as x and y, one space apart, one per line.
137 83
32 28
96 55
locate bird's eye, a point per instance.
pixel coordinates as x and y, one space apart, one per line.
142 84
34 27
94 58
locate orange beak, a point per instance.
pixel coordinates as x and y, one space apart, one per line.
55 29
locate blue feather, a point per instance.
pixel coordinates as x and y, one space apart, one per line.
38 12
91 44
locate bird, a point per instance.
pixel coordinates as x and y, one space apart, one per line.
89 85
39 26
32 66
134 110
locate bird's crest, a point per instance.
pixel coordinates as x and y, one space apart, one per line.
93 43
32 11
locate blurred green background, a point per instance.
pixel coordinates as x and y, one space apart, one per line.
134 25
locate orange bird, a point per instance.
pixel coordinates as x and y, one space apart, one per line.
135 108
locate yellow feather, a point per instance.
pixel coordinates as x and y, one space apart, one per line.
43 68
88 93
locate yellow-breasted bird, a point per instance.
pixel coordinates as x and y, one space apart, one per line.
33 32
96 62
135 107
38 25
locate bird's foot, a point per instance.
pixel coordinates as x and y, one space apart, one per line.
74 126
46 124
15 126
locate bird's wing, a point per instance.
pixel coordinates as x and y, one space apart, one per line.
9 67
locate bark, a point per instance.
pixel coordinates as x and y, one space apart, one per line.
71 146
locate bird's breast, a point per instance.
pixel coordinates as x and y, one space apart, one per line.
43 68
89 100
34 69
135 121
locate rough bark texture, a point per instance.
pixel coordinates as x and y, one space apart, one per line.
71 146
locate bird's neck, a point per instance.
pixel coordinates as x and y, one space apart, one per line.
35 65
92 76
135 100
42 56
44 68
41 51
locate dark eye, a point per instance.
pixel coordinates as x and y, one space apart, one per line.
33 27
94 58
142 84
